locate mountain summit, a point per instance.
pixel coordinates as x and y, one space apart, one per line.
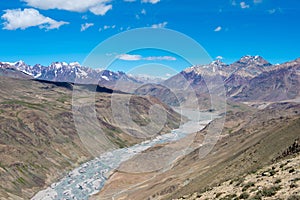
253 60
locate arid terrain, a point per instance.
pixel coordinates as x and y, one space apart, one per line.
46 130
39 142
277 181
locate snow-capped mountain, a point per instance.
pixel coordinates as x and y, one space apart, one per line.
69 72
246 79
10 70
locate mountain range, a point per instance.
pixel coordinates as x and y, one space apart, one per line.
64 72
251 78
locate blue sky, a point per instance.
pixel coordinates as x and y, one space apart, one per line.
44 31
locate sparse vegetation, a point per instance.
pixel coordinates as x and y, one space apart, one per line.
277 181
295 179
294 185
21 180
229 197
270 191
294 197
292 170
239 181
247 186
244 195
219 194
24 103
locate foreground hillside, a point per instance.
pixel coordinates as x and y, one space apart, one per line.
38 139
250 140
277 181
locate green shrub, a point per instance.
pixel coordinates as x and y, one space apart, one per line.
229 197
268 192
295 179
247 186
292 170
278 181
219 194
244 195
256 197
293 185
239 181
294 197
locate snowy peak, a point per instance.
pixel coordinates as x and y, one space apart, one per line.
19 63
70 72
253 60
247 67
218 63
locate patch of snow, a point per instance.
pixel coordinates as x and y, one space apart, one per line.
81 73
105 77
58 65
37 75
9 63
72 64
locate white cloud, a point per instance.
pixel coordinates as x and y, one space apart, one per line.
101 9
219 58
257 1
275 10
106 27
85 17
129 57
219 28
150 1
272 11
244 5
98 7
160 25
22 19
86 26
144 12
152 58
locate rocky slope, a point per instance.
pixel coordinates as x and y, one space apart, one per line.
277 181
281 82
39 142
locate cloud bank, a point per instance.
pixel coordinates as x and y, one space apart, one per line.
23 19
97 7
129 57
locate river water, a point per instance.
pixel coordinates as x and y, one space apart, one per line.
90 177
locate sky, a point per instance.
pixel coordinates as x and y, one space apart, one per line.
46 31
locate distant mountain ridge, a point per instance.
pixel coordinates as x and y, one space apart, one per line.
72 72
251 78
248 79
